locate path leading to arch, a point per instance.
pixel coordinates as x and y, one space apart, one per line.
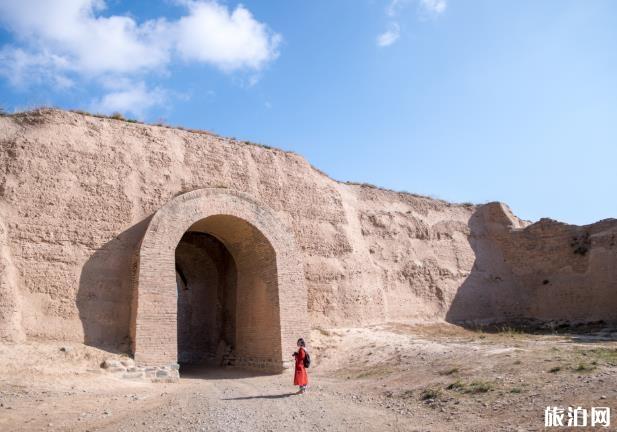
383 378
220 401
208 400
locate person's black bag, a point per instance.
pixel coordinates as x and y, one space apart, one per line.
307 359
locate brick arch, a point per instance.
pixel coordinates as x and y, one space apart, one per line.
272 298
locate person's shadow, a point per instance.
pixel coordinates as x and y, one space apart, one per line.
277 396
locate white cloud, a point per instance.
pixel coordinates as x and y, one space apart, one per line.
434 6
60 41
21 68
394 6
92 44
128 97
89 44
389 36
393 10
229 40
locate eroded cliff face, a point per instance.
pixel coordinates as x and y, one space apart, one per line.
76 194
546 272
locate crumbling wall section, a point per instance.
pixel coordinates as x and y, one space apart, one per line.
10 298
547 273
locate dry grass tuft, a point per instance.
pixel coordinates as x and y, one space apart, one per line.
430 393
450 371
474 387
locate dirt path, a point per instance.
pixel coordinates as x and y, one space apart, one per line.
211 400
383 378
236 401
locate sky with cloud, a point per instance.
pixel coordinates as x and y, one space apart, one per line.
464 100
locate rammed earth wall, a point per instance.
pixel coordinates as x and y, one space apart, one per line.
78 194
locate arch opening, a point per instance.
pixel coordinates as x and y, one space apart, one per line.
206 284
228 305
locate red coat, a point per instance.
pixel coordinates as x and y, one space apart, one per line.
300 377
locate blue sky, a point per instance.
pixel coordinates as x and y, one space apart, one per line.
474 100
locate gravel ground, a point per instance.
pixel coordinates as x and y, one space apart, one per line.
384 378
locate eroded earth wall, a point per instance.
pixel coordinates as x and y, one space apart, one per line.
547 273
76 192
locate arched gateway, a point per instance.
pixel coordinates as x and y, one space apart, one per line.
225 267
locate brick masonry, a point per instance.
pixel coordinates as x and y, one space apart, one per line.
271 299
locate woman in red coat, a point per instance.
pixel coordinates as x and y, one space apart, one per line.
300 376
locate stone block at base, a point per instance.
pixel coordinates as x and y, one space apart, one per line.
157 374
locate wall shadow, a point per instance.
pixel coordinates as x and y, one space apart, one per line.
105 291
220 373
479 300
534 278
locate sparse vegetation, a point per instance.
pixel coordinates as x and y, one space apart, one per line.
581 244
322 331
584 367
478 330
510 331
456 385
160 122
258 144
414 195
516 390
479 387
406 394
473 387
373 372
606 355
450 371
430 393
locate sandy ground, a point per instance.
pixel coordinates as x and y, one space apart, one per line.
389 377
